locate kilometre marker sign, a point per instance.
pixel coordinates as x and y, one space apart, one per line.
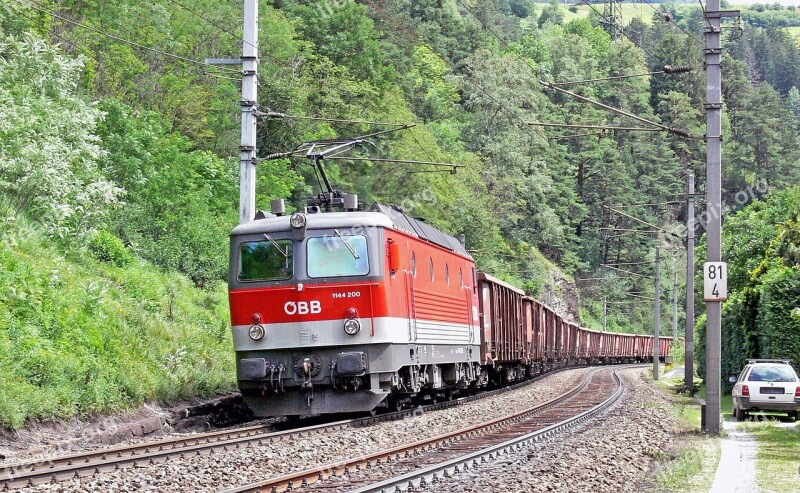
715 281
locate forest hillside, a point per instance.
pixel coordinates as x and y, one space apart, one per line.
119 156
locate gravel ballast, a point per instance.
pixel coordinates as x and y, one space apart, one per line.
610 454
222 470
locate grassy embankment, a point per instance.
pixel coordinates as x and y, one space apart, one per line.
778 457
691 463
80 336
694 466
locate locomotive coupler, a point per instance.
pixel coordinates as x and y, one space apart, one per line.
333 376
272 377
281 368
307 367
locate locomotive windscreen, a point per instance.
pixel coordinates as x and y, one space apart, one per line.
265 260
332 256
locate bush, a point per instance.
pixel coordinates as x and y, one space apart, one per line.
80 336
108 248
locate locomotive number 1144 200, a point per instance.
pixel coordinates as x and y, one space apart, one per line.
348 294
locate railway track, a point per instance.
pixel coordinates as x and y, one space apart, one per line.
62 468
437 456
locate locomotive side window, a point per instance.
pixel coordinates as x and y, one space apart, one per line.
431 264
461 277
447 274
337 256
413 264
265 260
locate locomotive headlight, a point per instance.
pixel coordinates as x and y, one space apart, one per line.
297 220
256 332
352 326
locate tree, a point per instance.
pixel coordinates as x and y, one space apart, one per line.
551 15
49 157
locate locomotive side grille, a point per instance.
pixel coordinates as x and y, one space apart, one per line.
440 307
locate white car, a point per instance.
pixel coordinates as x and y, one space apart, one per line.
766 385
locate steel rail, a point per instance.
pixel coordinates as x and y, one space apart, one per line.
23 468
423 477
309 476
62 468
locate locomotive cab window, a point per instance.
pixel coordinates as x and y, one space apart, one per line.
337 256
265 260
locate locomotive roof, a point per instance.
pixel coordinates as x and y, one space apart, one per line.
381 216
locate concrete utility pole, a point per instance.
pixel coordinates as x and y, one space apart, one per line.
247 167
605 314
713 56
675 303
688 369
657 318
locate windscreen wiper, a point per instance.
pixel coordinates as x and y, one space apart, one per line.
277 246
347 244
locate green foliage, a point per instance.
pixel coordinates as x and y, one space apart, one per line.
343 33
179 206
761 244
551 15
80 336
49 157
108 248
163 136
431 93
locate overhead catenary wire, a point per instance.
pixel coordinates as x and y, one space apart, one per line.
607 20
306 150
39 8
666 128
623 270
584 279
669 202
599 135
638 220
225 30
621 235
640 297
414 172
669 20
276 114
582 98
417 39
596 127
668 70
404 161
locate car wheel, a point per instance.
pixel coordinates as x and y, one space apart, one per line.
740 415
793 415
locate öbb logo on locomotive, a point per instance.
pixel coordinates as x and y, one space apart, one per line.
302 307
406 318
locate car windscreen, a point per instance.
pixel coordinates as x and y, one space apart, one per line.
337 255
776 373
265 260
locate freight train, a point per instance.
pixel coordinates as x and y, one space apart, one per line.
356 310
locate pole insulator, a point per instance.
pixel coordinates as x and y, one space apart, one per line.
276 155
682 69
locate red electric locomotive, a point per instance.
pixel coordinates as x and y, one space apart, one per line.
352 310
346 311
